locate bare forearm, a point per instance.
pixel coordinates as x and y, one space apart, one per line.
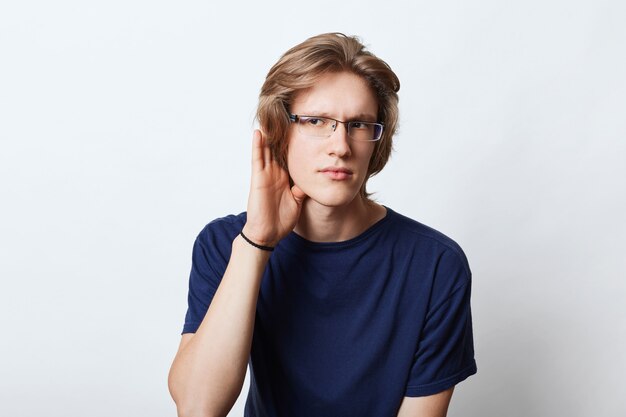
210 367
208 372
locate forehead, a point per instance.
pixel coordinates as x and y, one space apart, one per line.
342 95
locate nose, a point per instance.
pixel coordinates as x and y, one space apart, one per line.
339 142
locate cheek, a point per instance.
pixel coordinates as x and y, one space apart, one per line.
302 152
365 156
297 158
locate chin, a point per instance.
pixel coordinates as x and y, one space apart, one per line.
336 199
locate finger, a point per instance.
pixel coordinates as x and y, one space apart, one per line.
267 152
258 162
298 194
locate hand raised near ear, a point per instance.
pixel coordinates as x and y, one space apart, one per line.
273 206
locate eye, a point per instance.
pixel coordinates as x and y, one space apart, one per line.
360 125
313 121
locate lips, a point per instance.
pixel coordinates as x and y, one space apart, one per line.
337 173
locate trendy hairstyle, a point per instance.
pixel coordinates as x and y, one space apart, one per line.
302 66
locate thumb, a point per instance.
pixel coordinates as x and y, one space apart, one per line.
298 194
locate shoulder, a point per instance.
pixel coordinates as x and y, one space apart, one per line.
428 241
218 234
227 225
440 258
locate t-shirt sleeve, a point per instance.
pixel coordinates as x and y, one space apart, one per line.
445 351
207 269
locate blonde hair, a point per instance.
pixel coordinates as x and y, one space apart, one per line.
301 66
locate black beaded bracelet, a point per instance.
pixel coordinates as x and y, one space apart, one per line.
267 248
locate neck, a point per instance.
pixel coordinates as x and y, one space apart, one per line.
320 223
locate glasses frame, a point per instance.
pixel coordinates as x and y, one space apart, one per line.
294 118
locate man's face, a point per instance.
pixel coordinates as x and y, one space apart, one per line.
331 170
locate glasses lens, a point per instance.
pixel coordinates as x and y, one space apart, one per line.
365 131
322 127
316 126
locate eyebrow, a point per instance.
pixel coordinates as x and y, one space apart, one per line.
361 117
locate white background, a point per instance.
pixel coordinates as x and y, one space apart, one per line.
125 127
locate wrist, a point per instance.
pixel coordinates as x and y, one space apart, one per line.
265 248
252 234
245 252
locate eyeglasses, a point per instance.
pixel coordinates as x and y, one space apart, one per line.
323 127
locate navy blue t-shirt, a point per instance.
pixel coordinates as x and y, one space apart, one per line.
348 328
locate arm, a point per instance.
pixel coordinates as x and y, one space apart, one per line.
430 406
209 369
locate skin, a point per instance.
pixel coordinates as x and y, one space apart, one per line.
209 369
334 210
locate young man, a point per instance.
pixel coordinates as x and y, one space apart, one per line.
341 306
